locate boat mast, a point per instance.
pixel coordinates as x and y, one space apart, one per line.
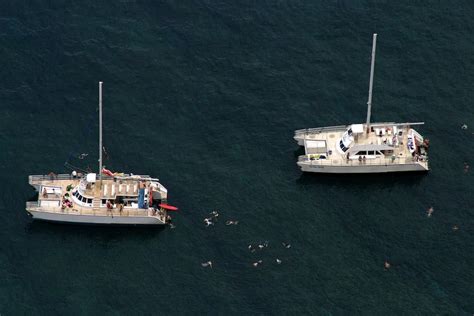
100 132
371 83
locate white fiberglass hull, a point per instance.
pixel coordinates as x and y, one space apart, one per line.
96 219
317 168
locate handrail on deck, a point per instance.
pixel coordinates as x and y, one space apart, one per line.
34 205
31 204
62 176
343 127
320 129
67 176
354 162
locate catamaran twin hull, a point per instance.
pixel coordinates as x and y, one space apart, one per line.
386 147
112 199
115 200
363 148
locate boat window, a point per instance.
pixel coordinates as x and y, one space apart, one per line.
104 201
84 200
378 152
341 144
371 153
89 201
361 153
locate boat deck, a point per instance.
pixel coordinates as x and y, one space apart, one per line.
53 190
332 139
400 154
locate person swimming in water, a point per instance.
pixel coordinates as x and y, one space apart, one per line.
430 211
255 264
207 264
208 221
386 265
228 223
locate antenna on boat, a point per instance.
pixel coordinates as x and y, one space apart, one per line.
100 132
371 83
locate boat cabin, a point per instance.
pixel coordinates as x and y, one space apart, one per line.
349 137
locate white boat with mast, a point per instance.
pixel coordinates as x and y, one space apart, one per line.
363 148
103 198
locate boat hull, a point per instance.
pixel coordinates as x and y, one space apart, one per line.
317 168
95 219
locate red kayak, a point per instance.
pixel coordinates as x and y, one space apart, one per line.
107 172
168 207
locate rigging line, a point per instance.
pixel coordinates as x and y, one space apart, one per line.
68 165
106 154
75 152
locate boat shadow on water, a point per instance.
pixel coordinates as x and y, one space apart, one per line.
299 152
406 179
103 232
34 197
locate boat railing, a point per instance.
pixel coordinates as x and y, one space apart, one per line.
344 127
317 130
34 206
356 163
50 177
67 176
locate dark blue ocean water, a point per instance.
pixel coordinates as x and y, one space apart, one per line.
206 95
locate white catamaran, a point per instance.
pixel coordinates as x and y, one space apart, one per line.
363 148
103 198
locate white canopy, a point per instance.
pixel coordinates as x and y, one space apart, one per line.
315 146
357 128
315 143
91 177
